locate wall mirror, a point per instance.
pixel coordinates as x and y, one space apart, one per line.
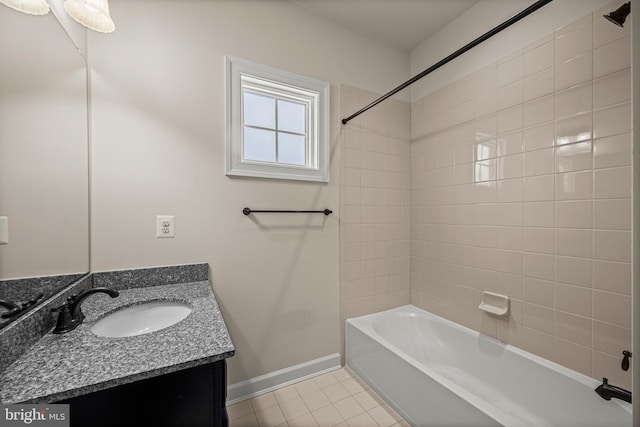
44 164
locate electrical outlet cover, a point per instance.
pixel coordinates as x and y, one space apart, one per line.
165 226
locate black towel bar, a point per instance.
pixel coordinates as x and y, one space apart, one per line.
248 211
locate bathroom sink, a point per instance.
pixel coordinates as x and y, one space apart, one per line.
141 319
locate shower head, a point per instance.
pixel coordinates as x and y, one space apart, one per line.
618 16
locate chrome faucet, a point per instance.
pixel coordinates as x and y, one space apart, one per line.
607 391
71 315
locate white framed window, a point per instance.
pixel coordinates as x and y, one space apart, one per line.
277 123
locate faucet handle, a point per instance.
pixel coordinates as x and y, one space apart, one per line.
625 360
65 321
63 306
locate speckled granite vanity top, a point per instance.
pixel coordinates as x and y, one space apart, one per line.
79 362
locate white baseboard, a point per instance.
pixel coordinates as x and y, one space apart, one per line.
264 383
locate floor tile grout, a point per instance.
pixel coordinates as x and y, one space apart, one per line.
338 398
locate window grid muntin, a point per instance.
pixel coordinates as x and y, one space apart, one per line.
285 92
279 131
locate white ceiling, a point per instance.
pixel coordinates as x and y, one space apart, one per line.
400 23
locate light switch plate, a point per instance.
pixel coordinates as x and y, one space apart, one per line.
4 230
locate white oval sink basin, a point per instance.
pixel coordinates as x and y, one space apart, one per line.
141 319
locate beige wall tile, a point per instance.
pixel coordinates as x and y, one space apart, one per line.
574 71
574 157
511 143
538 84
612 276
541 240
574 271
538 317
510 71
510 119
539 58
573 214
612 245
509 190
510 238
510 95
612 183
374 202
612 308
539 162
513 286
486 79
574 185
574 299
610 338
487 103
464 153
573 101
612 89
539 188
572 355
612 120
539 136
539 291
530 199
613 214
612 57
538 111
612 151
574 328
574 242
573 25
573 43
539 266
486 126
538 343
465 89
574 129
509 262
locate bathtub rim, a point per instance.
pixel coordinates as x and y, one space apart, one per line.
365 325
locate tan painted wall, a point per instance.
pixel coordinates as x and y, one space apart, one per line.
159 145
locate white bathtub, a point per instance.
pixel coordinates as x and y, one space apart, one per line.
435 372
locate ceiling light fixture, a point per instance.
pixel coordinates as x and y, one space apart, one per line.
32 7
93 14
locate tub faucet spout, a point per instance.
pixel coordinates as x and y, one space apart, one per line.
607 391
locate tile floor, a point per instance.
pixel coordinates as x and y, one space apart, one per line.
337 398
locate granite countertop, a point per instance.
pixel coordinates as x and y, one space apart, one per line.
59 367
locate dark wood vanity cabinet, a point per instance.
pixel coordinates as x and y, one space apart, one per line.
189 397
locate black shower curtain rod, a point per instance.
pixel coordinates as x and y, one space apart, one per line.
515 18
